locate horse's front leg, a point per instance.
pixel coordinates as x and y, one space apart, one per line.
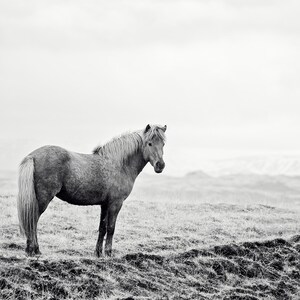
102 230
113 211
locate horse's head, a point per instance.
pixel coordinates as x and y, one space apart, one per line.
154 141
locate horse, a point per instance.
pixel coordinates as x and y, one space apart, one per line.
105 177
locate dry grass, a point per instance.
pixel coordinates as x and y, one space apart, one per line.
166 243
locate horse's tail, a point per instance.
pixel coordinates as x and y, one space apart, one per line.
28 209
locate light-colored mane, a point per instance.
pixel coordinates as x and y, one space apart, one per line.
120 148
124 146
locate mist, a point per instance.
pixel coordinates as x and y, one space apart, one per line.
222 75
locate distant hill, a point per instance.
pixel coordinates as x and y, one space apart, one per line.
198 174
199 185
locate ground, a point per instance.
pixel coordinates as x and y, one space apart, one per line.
195 237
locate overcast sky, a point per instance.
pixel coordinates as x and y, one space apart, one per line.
223 75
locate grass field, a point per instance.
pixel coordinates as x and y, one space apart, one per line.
196 237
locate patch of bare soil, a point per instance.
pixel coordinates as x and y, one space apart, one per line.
249 271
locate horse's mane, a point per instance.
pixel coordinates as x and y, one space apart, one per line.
128 144
121 147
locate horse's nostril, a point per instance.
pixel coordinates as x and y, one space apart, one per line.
160 165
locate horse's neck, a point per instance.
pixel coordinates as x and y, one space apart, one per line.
134 164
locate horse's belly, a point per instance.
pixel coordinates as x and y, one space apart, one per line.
79 198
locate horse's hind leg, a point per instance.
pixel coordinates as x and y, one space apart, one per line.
32 247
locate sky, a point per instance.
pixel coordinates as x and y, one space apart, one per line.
222 75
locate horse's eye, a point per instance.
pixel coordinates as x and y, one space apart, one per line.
150 144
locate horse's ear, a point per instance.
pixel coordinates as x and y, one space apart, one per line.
164 128
147 128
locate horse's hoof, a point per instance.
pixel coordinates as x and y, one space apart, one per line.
108 252
32 254
33 251
37 251
98 253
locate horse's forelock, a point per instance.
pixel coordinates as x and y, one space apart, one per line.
155 131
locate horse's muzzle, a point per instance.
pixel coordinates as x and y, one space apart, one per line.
159 166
